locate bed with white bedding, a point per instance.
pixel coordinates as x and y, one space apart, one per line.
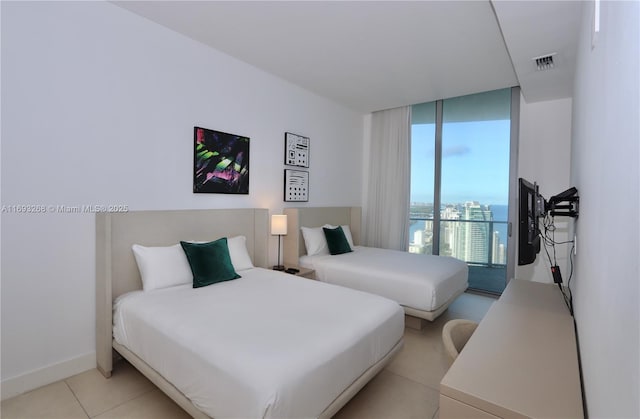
422 282
262 345
424 285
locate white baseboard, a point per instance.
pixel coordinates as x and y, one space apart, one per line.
30 381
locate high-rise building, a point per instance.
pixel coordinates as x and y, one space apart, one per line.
449 230
497 251
418 237
421 238
472 239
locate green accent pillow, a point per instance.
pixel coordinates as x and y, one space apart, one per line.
210 262
336 240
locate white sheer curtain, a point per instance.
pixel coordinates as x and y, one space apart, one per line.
386 217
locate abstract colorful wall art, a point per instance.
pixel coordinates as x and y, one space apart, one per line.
220 162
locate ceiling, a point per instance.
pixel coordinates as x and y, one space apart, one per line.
373 55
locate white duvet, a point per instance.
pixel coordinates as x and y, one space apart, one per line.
266 345
422 282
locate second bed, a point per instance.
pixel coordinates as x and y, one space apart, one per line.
424 285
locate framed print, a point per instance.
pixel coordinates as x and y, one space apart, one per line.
220 162
296 186
296 150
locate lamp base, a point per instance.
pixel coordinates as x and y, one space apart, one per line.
278 268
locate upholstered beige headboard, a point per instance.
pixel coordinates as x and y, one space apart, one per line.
316 217
116 269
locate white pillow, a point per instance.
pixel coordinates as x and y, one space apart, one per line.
240 258
347 233
315 241
162 267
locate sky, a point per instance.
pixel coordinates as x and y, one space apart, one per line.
475 162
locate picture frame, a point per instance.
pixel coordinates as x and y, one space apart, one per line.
296 150
296 185
220 162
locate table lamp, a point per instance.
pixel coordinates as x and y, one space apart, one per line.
279 228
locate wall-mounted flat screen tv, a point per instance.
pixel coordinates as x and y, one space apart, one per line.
530 209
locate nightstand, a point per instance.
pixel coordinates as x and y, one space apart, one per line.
304 272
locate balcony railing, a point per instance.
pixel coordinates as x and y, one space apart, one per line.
484 275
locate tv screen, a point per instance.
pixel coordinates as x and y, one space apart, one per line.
530 209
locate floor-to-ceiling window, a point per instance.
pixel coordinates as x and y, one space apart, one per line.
460 165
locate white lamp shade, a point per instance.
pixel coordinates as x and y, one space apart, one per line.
279 225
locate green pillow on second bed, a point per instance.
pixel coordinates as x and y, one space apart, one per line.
336 240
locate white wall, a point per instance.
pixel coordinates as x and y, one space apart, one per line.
605 157
98 107
545 158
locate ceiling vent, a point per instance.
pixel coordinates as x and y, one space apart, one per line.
544 62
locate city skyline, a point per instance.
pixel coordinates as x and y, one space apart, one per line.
460 237
500 211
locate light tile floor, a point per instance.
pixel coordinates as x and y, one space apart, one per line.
407 388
